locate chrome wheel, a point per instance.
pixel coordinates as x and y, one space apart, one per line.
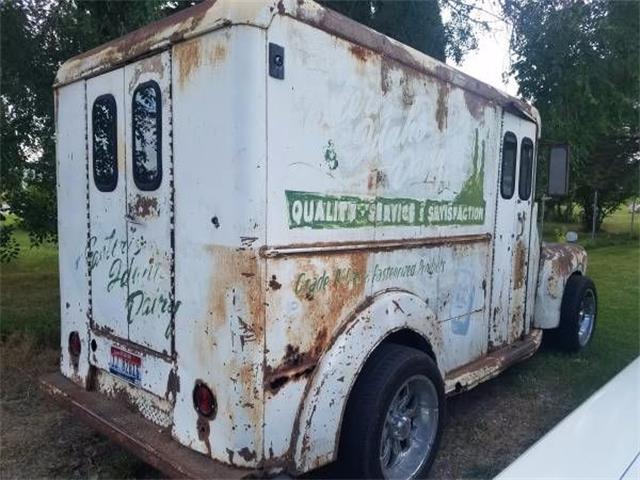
586 317
410 428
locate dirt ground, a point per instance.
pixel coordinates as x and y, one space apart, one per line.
487 427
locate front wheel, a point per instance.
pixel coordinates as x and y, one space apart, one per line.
394 416
578 313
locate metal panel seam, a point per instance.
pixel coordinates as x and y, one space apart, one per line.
533 166
172 213
495 226
266 230
88 205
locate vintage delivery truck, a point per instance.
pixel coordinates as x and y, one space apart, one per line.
286 238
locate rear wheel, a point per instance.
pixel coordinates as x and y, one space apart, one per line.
394 416
578 313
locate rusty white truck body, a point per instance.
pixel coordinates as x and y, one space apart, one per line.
287 191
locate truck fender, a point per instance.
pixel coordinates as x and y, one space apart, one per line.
316 433
558 261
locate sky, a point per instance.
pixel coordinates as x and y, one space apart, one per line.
491 59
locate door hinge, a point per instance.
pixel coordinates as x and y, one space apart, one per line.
276 61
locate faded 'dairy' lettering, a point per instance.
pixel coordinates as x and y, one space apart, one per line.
127 265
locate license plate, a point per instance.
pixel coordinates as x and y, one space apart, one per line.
126 365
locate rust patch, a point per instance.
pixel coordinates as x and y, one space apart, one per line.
273 283
202 425
442 106
280 6
218 54
235 311
325 303
230 454
235 274
102 329
339 248
520 265
144 206
517 323
475 104
372 181
173 385
295 364
343 27
149 65
469 375
385 80
360 53
137 43
406 81
247 454
188 58
247 241
408 94
562 257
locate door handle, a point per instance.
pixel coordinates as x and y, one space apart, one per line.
521 219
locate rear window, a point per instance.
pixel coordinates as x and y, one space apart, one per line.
526 164
105 148
147 136
508 176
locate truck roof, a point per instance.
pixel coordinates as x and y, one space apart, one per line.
216 14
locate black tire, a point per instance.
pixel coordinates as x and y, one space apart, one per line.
385 372
576 292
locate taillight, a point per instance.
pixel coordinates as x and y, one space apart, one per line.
75 346
203 400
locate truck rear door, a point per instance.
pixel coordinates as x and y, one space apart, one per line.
130 249
107 242
149 203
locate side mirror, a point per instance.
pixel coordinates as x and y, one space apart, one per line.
559 171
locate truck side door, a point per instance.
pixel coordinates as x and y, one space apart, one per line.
512 234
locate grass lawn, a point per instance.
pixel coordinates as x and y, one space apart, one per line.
29 294
616 273
616 229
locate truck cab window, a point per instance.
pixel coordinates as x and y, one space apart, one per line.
105 163
526 165
508 178
146 111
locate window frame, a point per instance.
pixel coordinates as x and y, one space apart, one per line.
112 140
526 141
513 136
147 186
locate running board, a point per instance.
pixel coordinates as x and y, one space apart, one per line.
470 375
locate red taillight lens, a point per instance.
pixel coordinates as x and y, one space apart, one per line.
74 344
203 400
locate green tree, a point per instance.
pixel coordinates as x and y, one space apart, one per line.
578 61
36 37
416 23
419 23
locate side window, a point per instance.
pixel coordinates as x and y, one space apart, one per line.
526 166
508 179
146 112
105 148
